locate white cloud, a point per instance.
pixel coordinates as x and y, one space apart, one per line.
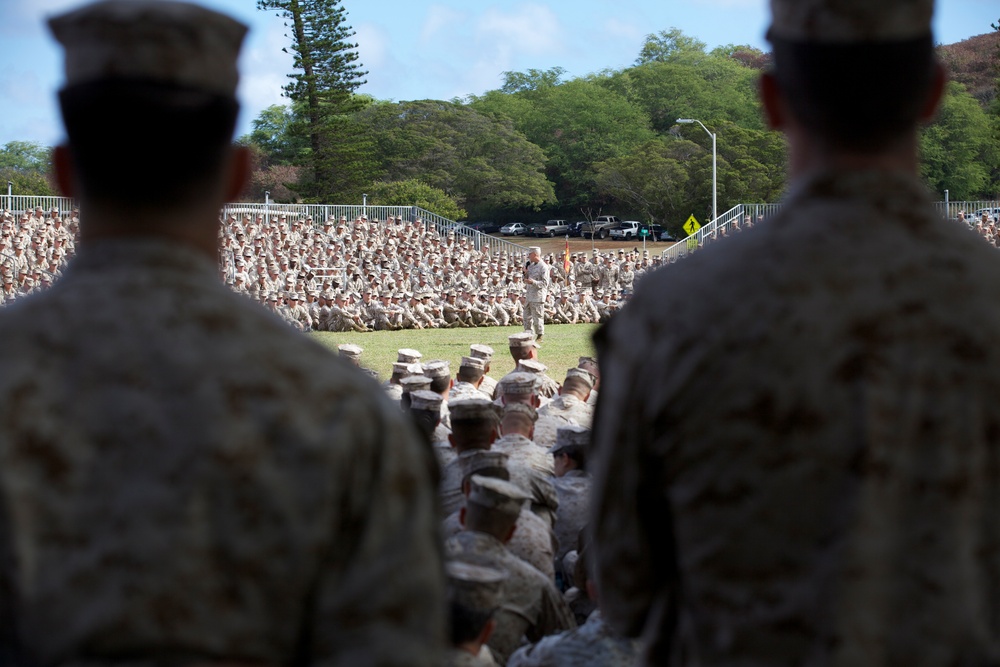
616 28
264 69
529 29
441 19
373 46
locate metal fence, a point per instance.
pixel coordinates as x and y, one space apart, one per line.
21 203
726 224
950 209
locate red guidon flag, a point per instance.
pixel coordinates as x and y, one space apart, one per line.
566 263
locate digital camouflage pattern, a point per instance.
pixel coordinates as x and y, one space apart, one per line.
593 644
800 429
533 540
183 478
573 490
532 607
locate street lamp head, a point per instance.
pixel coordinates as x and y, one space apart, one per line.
685 120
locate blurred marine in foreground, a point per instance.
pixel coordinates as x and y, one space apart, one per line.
184 480
798 433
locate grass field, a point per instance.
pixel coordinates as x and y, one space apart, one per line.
564 344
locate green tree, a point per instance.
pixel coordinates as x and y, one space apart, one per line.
327 74
280 134
27 165
26 156
25 182
479 160
671 46
718 87
654 180
957 150
751 162
577 124
413 192
533 79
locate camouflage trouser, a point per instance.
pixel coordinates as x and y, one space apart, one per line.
534 317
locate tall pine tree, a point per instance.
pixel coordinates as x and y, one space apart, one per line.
338 162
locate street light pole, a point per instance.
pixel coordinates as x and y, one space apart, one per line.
715 178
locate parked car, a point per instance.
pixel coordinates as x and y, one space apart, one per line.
662 234
628 229
550 228
575 228
514 229
484 226
535 229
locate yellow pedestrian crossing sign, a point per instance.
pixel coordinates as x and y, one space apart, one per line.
691 226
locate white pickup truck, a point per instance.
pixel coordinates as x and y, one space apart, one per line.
629 229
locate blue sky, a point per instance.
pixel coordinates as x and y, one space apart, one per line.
425 49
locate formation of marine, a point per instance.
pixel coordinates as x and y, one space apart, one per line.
365 275
34 248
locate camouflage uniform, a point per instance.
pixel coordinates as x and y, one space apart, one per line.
457 657
564 312
533 540
832 503
180 470
594 644
570 407
532 606
573 491
536 293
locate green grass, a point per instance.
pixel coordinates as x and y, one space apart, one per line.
562 347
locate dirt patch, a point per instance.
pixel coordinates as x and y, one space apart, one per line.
577 244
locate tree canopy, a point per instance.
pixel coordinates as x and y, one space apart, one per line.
546 145
323 84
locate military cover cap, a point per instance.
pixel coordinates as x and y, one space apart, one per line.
523 339
850 21
475 587
571 435
518 383
425 400
472 408
531 366
473 362
479 460
407 355
415 382
175 43
522 409
535 249
482 351
402 368
437 368
496 494
582 375
350 350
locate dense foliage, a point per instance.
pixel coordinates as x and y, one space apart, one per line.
322 88
544 146
25 165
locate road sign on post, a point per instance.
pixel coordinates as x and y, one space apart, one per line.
691 226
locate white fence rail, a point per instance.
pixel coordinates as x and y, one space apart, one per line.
737 217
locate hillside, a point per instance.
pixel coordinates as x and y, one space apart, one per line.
975 62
